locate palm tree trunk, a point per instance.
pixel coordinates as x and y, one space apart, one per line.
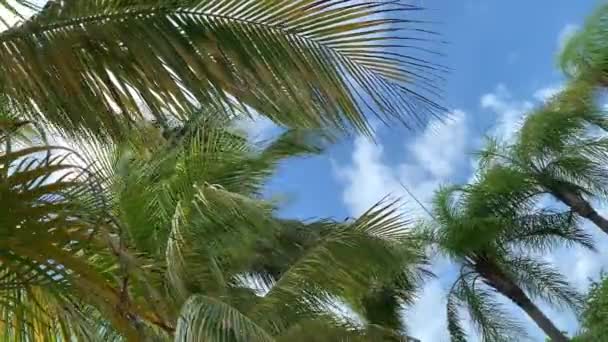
582 207
505 286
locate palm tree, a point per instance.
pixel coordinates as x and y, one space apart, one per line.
558 152
98 65
170 233
97 68
160 237
495 241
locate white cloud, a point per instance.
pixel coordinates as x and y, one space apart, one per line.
565 34
544 94
441 146
368 179
257 127
427 319
509 112
436 155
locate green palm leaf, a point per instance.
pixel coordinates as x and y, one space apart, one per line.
489 316
584 54
455 328
307 63
46 245
545 230
345 263
493 231
207 318
541 280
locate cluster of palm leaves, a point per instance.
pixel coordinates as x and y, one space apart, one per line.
173 240
132 207
530 195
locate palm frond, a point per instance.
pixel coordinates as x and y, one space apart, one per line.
546 230
38 188
561 122
14 12
491 152
542 281
345 262
304 63
211 240
576 172
207 318
328 330
149 175
455 328
488 316
51 214
50 315
382 306
584 54
500 190
292 239
461 229
446 204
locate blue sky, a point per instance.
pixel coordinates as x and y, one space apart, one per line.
491 43
503 56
